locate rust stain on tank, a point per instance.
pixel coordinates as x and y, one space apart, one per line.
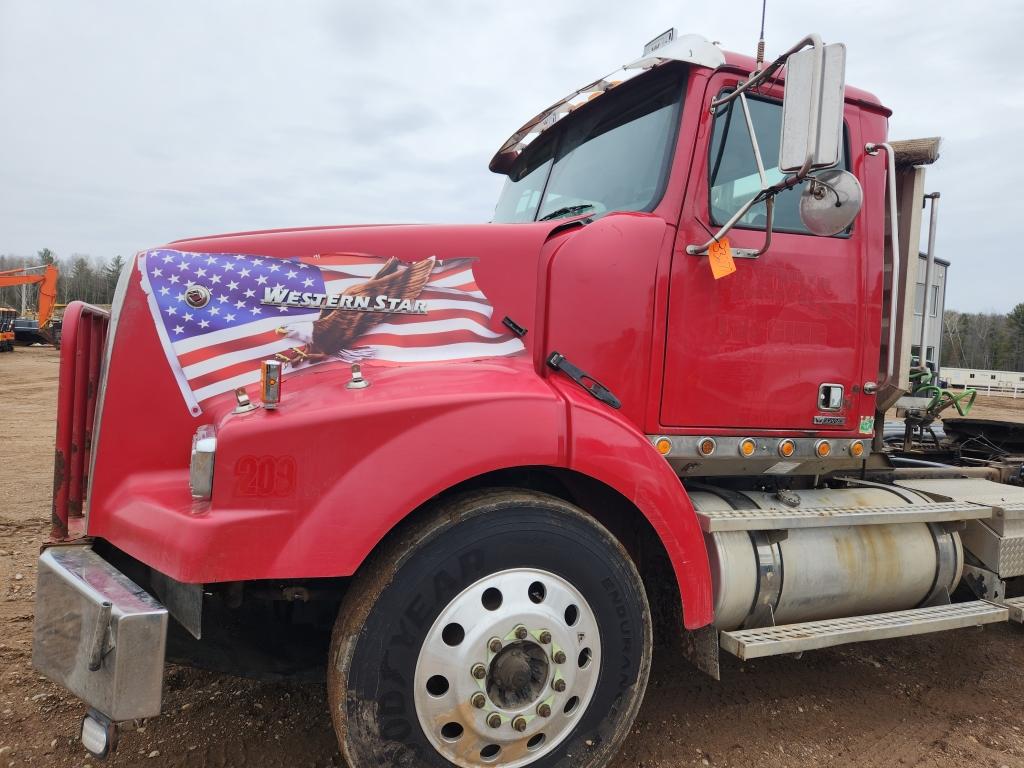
869 555
883 556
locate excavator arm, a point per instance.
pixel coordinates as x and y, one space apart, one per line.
47 282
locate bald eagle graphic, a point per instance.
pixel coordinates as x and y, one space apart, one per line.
335 332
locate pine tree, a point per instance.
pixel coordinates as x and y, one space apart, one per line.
111 273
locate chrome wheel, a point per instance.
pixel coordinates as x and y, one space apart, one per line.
507 669
502 628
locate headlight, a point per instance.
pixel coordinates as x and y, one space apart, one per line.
200 468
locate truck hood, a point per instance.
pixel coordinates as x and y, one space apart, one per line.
192 323
377 295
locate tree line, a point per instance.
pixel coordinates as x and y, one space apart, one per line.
987 341
82 278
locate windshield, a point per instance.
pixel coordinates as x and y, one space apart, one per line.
611 156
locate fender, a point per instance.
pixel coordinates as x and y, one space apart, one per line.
369 457
609 448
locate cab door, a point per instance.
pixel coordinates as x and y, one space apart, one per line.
780 343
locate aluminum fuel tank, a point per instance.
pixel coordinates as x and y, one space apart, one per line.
828 572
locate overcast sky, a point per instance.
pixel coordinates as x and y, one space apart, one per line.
127 124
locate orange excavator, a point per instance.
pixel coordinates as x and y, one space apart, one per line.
46 279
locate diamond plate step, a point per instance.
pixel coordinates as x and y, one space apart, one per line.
816 517
811 635
1016 608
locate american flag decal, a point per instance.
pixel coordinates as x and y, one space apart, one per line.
218 347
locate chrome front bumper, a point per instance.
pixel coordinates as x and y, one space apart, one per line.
99 634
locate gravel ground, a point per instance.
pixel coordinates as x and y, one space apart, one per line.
947 700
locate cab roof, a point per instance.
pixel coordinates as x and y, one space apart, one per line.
692 49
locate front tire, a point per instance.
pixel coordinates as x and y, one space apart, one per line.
508 628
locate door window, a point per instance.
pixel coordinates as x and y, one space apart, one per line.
732 170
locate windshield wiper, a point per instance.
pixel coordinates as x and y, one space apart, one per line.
568 210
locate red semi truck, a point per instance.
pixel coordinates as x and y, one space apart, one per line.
473 473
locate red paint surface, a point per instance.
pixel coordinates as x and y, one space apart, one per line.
309 489
749 351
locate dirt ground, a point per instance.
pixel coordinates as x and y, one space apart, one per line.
997 407
953 699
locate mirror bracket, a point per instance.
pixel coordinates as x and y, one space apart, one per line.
742 253
767 192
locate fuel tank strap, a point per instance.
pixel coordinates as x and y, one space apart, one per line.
767 554
770 575
948 559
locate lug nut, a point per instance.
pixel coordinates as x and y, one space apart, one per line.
559 657
478 700
521 632
494 720
559 685
494 645
545 637
519 724
544 710
479 671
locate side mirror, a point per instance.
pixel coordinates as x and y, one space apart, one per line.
830 202
812 109
811 139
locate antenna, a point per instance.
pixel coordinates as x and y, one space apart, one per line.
760 42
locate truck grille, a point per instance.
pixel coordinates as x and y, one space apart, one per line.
82 344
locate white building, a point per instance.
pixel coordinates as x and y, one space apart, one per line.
933 344
982 380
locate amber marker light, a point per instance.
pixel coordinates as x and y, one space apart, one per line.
663 445
823 448
706 446
856 449
787 448
270 383
747 447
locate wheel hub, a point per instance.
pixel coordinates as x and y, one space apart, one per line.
507 669
518 675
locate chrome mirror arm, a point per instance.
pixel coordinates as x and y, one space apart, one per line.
742 253
753 142
766 194
813 39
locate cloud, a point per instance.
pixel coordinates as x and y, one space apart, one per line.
129 124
